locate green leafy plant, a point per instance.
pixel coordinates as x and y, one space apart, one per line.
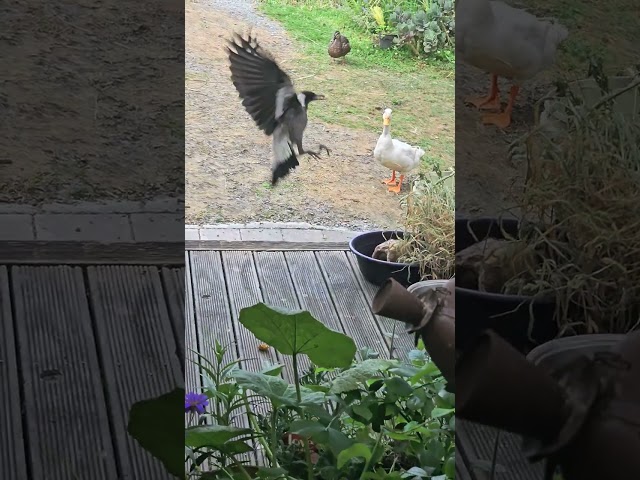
431 30
426 27
160 438
342 418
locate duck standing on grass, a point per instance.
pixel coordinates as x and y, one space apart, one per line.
339 46
269 97
395 155
505 42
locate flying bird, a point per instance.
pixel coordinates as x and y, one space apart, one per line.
268 95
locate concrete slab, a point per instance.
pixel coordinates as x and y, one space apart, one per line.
261 234
338 235
17 208
93 207
216 226
227 234
191 234
83 227
16 227
157 227
299 235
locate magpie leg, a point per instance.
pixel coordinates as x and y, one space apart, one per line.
323 147
315 155
302 151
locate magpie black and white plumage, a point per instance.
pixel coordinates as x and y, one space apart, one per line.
268 95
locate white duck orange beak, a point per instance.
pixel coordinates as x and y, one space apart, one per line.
386 117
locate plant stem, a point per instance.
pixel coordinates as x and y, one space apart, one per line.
296 377
217 381
494 460
261 439
307 454
393 337
274 435
375 447
242 470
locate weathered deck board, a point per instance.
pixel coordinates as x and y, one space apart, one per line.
138 350
391 329
12 455
311 289
462 473
90 253
212 313
261 246
278 291
192 372
243 288
351 305
244 291
478 441
174 286
66 415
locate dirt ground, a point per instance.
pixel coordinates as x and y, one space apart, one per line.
487 181
82 78
228 159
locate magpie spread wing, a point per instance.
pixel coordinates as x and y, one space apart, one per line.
260 82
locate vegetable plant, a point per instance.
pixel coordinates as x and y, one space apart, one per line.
326 412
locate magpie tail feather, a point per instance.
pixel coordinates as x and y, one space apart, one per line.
283 169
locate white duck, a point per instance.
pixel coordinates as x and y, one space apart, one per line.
507 42
395 155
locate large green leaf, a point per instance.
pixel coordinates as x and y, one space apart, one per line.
355 450
331 437
214 436
157 425
295 332
352 379
306 428
276 389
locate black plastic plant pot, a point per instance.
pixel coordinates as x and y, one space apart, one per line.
509 316
378 271
386 41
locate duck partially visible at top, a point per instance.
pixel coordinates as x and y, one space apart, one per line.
505 42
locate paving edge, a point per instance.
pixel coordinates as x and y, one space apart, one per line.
159 220
269 232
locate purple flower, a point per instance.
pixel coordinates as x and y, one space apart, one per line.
195 402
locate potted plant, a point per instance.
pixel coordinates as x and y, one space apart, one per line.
424 250
572 265
485 248
385 39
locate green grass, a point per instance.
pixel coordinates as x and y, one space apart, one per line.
420 92
596 29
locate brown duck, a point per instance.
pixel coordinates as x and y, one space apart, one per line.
339 46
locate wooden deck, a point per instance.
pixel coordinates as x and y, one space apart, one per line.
84 342
326 283
475 446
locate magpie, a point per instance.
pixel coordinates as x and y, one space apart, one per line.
268 95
